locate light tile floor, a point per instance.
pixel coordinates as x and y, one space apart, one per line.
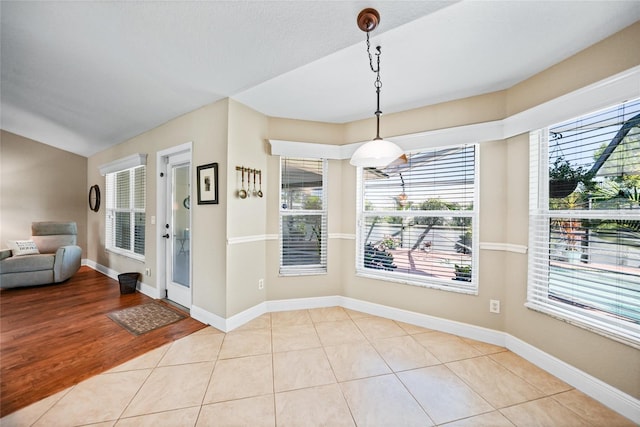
330 367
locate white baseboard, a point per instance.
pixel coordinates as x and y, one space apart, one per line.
208 318
599 390
239 319
246 316
303 303
452 327
148 290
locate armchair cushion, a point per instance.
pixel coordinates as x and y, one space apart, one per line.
19 264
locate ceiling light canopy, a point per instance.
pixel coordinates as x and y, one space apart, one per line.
378 152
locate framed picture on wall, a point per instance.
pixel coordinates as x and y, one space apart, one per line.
208 184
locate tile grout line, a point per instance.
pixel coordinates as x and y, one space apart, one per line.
206 389
527 381
273 373
335 377
353 418
568 407
159 366
68 390
444 364
151 371
471 387
395 374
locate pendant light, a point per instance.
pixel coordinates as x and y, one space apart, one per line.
378 152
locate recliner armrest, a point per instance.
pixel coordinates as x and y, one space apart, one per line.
67 263
5 253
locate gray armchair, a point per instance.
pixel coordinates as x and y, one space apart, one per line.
58 260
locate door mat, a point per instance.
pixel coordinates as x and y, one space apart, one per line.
145 317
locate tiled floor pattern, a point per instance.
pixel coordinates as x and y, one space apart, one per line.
330 367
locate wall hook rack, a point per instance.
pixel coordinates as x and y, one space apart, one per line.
253 177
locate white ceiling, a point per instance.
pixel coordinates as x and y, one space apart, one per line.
85 75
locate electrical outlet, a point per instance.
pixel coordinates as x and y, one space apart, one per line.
260 284
494 306
147 272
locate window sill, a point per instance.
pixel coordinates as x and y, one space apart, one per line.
471 289
293 273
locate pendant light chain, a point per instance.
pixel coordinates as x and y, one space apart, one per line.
371 57
378 82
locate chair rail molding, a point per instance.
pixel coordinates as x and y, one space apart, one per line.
508 247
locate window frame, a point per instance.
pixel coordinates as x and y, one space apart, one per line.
305 269
111 210
540 213
472 287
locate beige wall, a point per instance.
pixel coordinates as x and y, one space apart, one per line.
306 131
206 128
40 183
477 109
611 56
247 147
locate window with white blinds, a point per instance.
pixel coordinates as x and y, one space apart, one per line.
584 262
125 212
417 221
303 216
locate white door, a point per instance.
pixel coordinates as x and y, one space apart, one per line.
177 229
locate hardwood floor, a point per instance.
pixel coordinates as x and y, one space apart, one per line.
52 337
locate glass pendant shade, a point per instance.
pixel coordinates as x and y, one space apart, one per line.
376 154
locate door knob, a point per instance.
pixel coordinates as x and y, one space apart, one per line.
166 236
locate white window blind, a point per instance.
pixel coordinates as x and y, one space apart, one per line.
417 221
584 266
303 216
125 212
